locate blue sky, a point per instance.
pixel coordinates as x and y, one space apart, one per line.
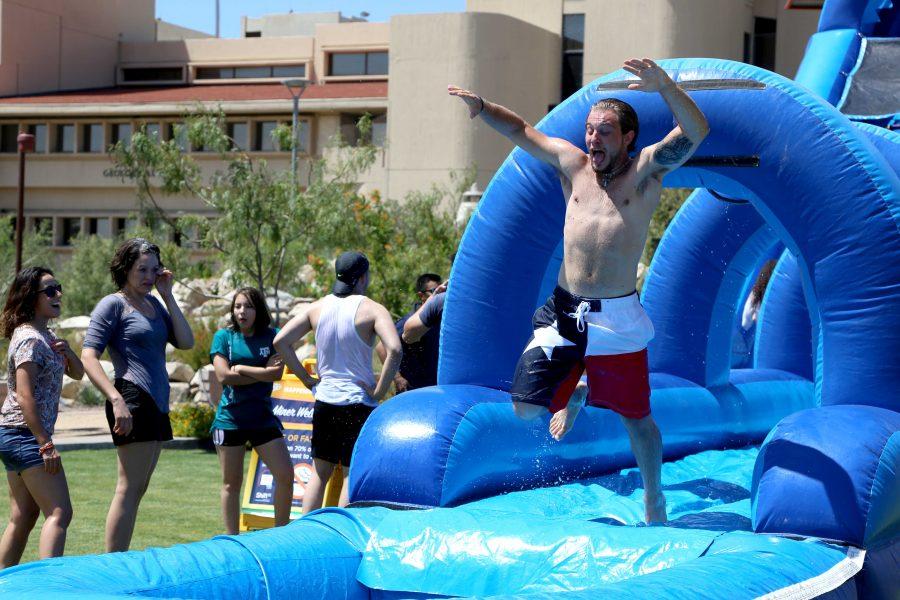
200 14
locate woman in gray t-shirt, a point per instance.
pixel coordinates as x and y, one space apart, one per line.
35 364
134 326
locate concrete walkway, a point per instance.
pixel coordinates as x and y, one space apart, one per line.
83 427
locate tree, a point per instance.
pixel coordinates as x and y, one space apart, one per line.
86 275
35 250
266 228
669 203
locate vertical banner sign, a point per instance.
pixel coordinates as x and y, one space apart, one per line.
293 404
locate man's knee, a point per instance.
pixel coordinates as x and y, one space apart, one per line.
644 427
527 411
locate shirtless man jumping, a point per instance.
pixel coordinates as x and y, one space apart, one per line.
594 320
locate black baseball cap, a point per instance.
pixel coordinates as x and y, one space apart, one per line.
348 268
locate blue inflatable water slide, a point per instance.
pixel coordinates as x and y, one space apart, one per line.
781 478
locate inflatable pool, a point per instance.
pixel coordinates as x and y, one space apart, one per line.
781 478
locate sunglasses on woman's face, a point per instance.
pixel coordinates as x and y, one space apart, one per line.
52 290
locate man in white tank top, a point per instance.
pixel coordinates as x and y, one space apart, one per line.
346 324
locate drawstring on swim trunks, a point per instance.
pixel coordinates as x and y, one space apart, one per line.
583 308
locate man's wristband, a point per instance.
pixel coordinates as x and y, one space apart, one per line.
46 448
480 110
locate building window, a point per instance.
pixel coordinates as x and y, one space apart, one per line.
343 64
146 74
121 132
239 133
762 47
264 141
215 73
100 226
350 130
42 225
253 34
39 131
153 130
573 54
256 72
8 138
65 138
252 72
289 71
177 132
92 137
125 226
379 130
71 227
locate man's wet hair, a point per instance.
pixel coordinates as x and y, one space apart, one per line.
628 119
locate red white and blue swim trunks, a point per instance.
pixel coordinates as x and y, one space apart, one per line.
607 337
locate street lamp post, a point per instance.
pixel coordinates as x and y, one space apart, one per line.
26 144
296 87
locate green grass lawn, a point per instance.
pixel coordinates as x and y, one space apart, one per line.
182 504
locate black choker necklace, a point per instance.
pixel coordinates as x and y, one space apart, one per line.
606 178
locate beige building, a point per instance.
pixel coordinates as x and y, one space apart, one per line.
83 74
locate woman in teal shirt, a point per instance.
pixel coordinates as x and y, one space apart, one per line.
246 365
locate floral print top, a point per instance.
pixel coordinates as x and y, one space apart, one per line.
30 345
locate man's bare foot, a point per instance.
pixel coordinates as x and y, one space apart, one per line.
562 421
655 508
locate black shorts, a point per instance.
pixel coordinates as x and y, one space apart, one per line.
148 423
239 437
335 429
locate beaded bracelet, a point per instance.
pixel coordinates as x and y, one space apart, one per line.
46 448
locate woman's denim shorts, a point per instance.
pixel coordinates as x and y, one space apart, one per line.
19 449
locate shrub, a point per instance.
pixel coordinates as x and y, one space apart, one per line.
192 420
88 395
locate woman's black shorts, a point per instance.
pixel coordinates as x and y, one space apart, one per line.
335 429
148 423
239 437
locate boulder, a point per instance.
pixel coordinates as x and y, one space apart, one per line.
298 308
306 274
108 369
179 393
214 307
74 328
188 296
178 371
71 387
80 322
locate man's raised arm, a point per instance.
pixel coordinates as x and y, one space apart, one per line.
680 143
556 152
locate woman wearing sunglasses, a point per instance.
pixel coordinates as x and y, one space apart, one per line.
135 327
35 363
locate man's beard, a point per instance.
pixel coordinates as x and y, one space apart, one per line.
614 163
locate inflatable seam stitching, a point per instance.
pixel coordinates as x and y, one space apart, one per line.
825 582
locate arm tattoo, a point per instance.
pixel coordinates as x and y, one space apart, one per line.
674 152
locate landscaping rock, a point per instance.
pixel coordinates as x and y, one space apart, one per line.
214 307
178 371
74 328
108 369
298 308
80 322
71 387
179 393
